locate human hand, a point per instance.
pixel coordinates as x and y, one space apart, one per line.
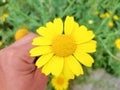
17 69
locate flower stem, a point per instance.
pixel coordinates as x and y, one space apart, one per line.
107 50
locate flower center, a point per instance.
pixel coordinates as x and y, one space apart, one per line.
63 45
60 81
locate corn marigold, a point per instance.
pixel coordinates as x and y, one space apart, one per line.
60 83
63 49
1 43
115 17
117 43
21 33
110 24
3 17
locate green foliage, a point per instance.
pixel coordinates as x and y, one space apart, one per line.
35 13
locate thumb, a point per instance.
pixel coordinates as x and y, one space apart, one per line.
23 47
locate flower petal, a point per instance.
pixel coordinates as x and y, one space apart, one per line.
41 41
84 58
81 35
58 26
37 51
76 26
74 65
67 72
88 47
54 66
48 67
41 31
43 60
48 31
69 24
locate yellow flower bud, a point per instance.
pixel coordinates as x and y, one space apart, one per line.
21 33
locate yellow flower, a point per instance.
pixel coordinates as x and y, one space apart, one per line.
96 12
117 43
21 33
115 17
110 11
110 24
3 17
1 43
107 15
63 49
102 15
60 83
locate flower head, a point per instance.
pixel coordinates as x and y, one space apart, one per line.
107 15
60 83
3 17
21 33
63 49
115 17
1 43
110 24
117 43
96 12
102 15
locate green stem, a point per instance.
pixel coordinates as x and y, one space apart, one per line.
71 3
107 50
26 16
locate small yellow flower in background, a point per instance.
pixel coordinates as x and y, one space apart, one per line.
62 50
110 12
1 43
102 15
115 17
117 43
110 24
60 83
3 17
107 15
21 33
96 12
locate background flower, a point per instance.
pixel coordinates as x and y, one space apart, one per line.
60 83
21 33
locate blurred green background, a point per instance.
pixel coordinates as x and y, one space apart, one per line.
101 16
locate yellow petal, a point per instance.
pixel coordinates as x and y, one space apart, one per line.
67 72
54 66
74 65
81 35
76 26
88 47
84 58
58 65
46 31
58 26
41 31
37 51
41 41
50 30
43 60
48 68
69 24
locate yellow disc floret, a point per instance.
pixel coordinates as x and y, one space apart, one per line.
63 45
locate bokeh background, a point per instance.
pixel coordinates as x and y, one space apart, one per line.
20 17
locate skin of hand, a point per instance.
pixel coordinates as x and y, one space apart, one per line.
17 68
